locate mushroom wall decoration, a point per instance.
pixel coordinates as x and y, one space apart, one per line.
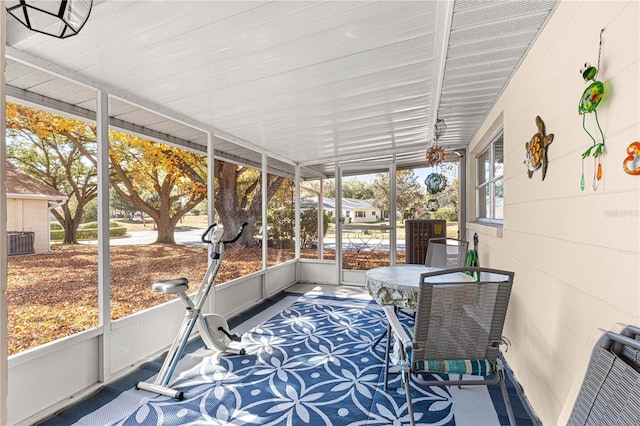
631 164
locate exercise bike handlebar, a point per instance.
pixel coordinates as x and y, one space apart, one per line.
233 240
237 237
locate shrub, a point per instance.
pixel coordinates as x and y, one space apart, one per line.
445 213
89 231
282 225
309 226
94 225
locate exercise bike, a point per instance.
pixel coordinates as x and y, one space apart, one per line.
213 328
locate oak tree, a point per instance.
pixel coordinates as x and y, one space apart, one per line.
52 149
238 196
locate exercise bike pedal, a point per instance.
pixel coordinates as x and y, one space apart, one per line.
213 331
234 337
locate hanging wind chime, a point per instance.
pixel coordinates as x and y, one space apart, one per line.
436 182
587 106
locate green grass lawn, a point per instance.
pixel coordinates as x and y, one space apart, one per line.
188 221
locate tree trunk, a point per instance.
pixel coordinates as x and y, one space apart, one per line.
232 222
70 223
70 233
166 229
235 207
228 204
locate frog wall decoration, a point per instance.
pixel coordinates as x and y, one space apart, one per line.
536 148
587 108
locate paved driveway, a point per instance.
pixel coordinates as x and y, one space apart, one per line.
188 237
191 237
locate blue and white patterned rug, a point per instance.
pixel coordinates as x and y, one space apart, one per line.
310 363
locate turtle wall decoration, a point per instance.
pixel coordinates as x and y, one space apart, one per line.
536 150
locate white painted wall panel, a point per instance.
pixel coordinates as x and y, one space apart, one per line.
237 296
576 254
40 382
144 334
320 273
280 277
354 277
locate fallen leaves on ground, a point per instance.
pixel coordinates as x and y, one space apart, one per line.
51 296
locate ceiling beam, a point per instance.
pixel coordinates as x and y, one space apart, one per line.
78 113
444 16
54 69
55 106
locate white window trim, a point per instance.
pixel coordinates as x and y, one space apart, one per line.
490 183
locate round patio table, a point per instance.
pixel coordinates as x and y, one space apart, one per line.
398 285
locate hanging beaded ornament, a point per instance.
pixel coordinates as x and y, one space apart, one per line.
435 182
433 205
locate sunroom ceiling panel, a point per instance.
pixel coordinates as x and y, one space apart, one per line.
118 108
64 91
486 45
24 76
156 125
262 71
304 81
241 52
302 88
305 53
83 97
228 151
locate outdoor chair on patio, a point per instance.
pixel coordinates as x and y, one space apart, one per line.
458 330
442 253
446 253
610 391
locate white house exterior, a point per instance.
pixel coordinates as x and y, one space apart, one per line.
355 211
29 202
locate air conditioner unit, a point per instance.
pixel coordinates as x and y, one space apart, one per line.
20 243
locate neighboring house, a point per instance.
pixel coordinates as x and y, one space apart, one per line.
357 211
29 202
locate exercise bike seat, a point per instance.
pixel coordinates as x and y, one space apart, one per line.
174 286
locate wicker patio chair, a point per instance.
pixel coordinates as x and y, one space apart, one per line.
610 391
445 253
458 330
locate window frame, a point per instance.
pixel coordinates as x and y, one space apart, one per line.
490 182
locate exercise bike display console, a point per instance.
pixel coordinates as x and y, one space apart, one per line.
213 328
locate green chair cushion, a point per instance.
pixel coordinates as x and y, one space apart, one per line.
475 367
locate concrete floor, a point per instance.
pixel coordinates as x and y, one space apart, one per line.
345 291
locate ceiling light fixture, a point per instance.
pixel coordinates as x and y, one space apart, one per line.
57 18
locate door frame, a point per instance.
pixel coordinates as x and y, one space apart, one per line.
356 277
